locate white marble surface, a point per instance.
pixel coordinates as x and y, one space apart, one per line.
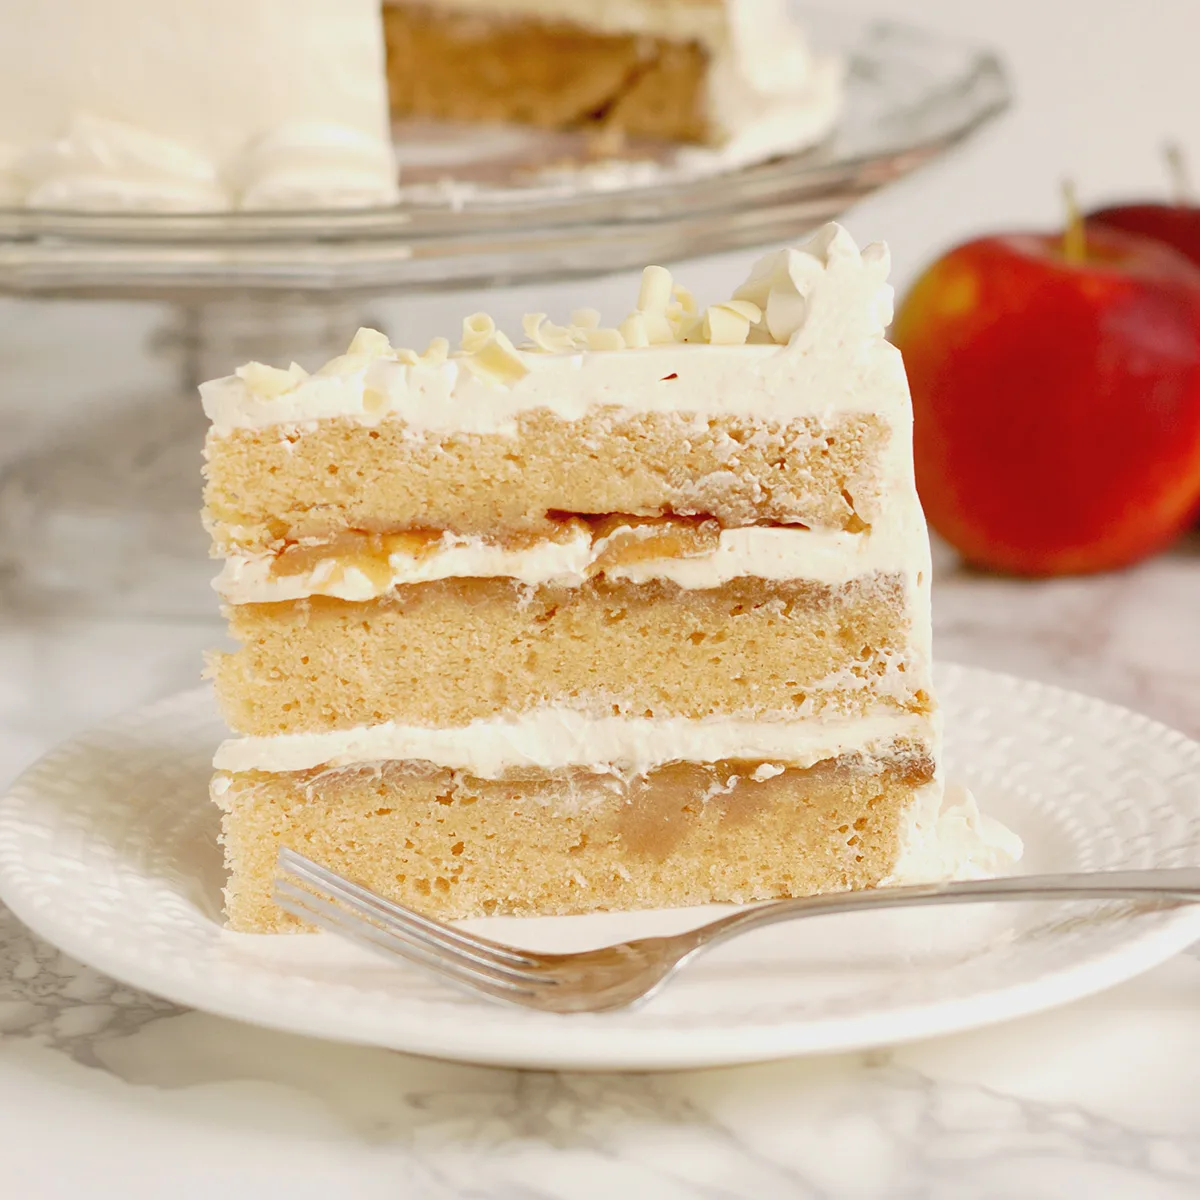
107 1092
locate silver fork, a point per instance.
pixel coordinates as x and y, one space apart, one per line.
615 976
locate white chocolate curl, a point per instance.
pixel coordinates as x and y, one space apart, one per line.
725 327
369 343
545 335
478 330
655 292
633 330
774 305
496 361
585 318
271 382
435 354
827 289
604 339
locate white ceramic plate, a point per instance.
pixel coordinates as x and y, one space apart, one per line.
108 849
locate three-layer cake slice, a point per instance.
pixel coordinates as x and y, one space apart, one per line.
625 617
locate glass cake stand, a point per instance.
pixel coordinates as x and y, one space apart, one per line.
117 485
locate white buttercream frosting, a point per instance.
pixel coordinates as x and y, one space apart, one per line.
674 20
765 552
947 837
553 738
313 165
180 106
817 348
104 165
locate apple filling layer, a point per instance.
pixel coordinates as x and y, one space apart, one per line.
457 650
268 488
360 566
608 541
686 833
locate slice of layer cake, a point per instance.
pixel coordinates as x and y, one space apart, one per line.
625 617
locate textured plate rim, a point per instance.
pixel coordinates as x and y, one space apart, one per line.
649 1049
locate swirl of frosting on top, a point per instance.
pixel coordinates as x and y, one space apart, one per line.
315 165
104 165
100 164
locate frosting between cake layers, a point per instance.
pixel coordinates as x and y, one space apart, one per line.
766 552
553 738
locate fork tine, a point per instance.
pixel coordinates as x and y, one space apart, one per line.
326 879
330 916
413 938
480 949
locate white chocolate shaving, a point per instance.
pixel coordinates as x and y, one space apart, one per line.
725 327
435 354
655 292
604 339
369 343
545 335
478 330
585 318
786 297
344 364
659 329
633 331
744 308
684 298
496 361
271 382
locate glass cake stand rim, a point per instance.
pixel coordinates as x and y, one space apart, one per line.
191 258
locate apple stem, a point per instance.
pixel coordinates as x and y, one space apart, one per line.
1074 237
1177 168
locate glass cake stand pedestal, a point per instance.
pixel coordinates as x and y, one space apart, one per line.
100 513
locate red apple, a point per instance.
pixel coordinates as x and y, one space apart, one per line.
1176 225
1056 399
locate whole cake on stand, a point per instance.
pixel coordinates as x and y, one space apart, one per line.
278 104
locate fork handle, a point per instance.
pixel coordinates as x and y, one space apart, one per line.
1168 884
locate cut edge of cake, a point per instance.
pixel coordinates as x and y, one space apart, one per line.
732 73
